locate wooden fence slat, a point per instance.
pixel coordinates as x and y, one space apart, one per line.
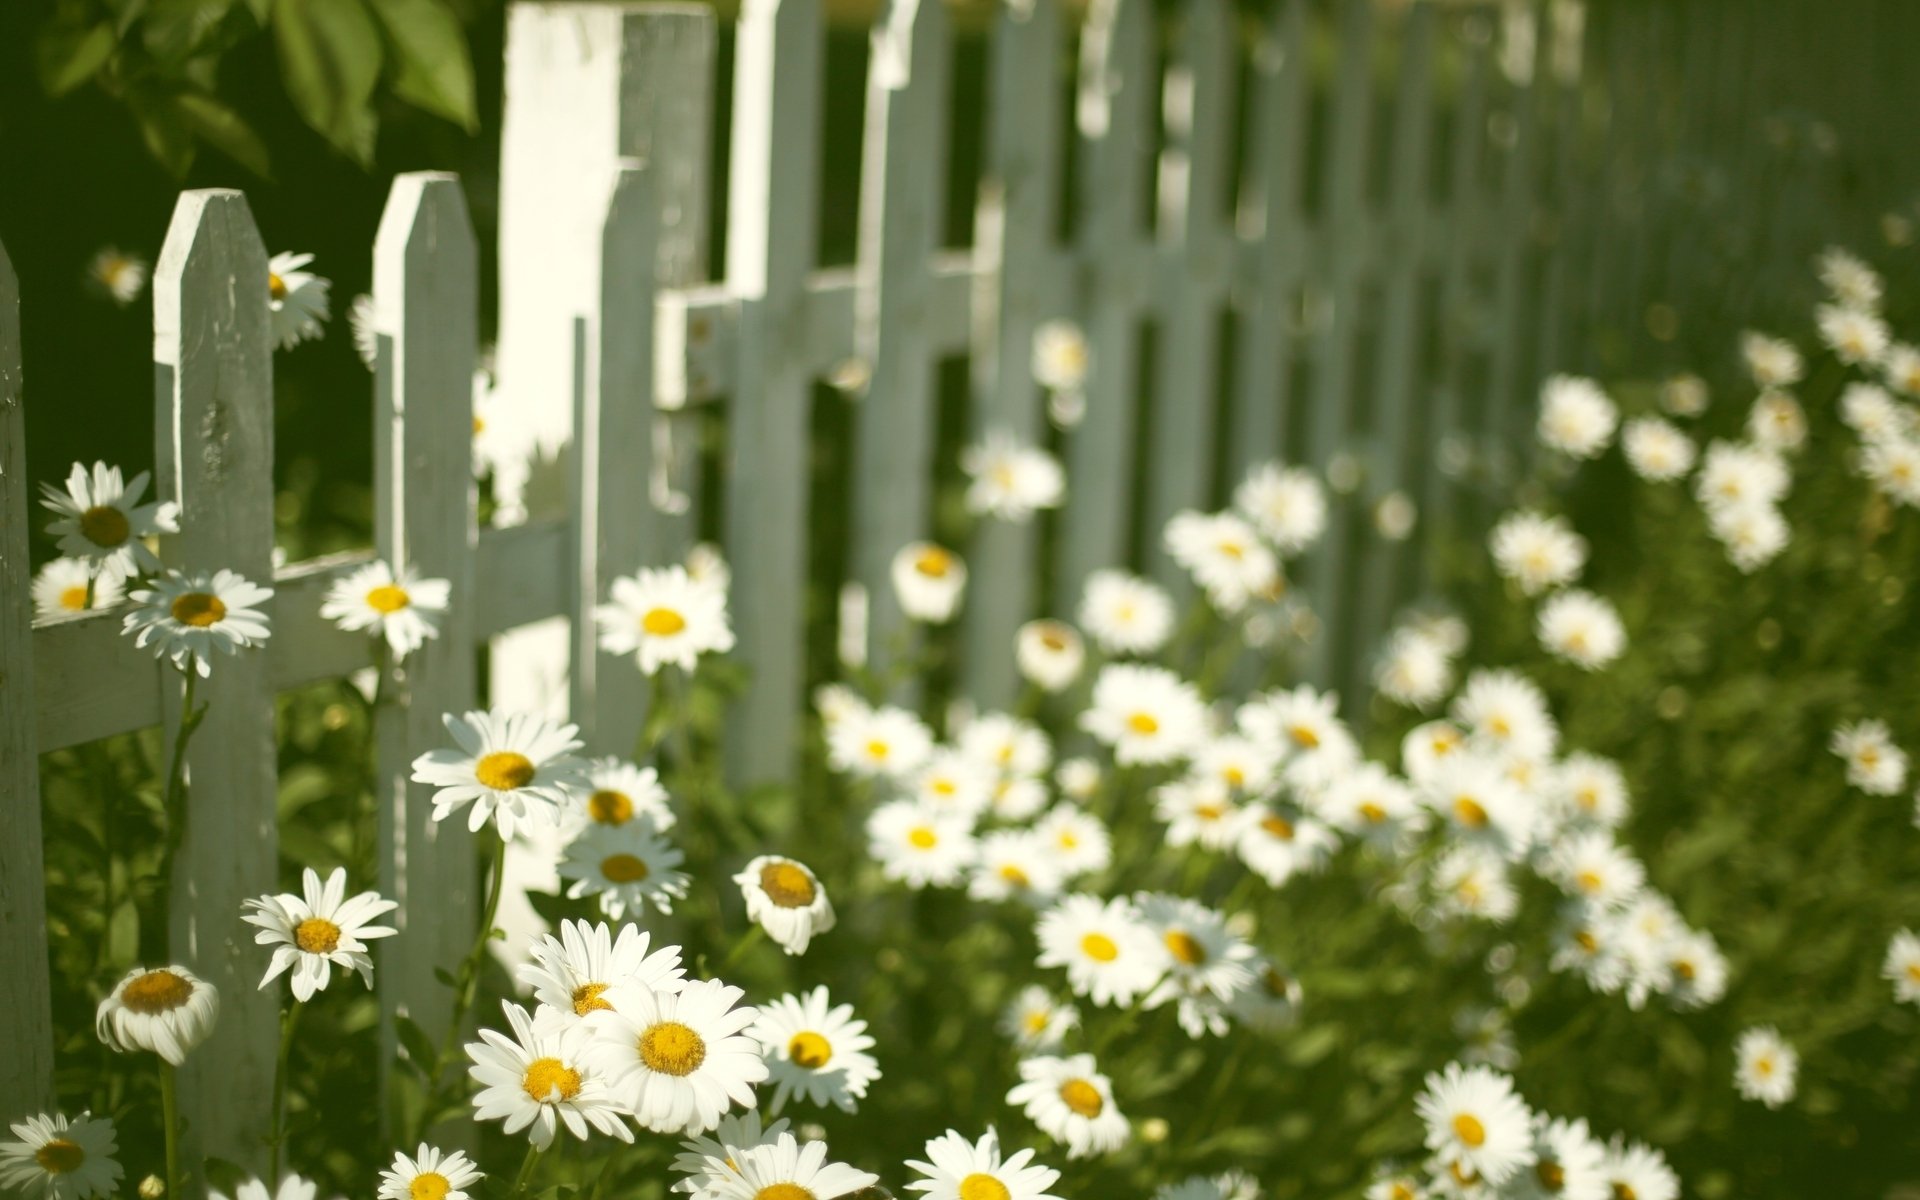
904 185
771 207
26 1013
426 302
1509 408
1555 322
1115 117
1184 401
1018 288
613 455
212 350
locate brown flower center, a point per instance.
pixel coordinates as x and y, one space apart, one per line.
104 525
787 884
198 609
156 992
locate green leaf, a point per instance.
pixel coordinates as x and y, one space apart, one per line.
225 130
414 1041
433 69
444 976
68 55
330 55
164 129
175 30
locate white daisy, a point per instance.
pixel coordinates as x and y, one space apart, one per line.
62 587
1368 802
1581 628
1017 798
120 276
1060 356
1773 362
1777 422
1590 866
1035 1021
361 324
1567 1164
516 768
1901 366
402 608
1272 1003
1851 281
1203 957
879 742
710 1160
1016 864
663 616
1049 654
1125 614
1753 534
617 791
1007 744
1736 475
920 846
168 1010
815 1052
1287 503
1296 722
1537 552
786 1170
1893 464
1472 881
1394 516
1078 779
1109 953
1010 480
1875 764
1477 803
1592 790
1074 840
1072 1103
1248 767
1768 1068
1588 940
1199 811
1278 845
1684 395
1225 557
186 618
297 299
1148 715
1854 335
1657 450
430 1174
1392 1184
292 1187
1506 712
679 1060
629 867
954 781
543 1077
1869 411
1576 417
320 929
786 899
1427 746
1414 670
53 1158
1476 1122
1639 1171
928 580
963 1170
1698 970
1901 967
575 972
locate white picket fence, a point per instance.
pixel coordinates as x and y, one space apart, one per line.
1365 312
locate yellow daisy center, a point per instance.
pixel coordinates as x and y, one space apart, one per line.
59 1156
1278 826
1683 969
1589 881
156 992
609 807
1372 813
1468 812
504 770
1209 812
1143 723
1233 550
923 838
1082 1097
943 787
429 1185
198 609
1763 1066
388 598
479 425
933 562
586 999
1586 941
662 622
317 935
1015 876
548 1081
783 1191
878 749
1305 736
1234 777
671 1048
74 598
1468 1129
1068 840
809 1050
1099 947
1186 947
786 884
104 525
1036 1021
624 868
1053 639
1624 1191
276 286
983 1187
1551 1175
1277 985
1913 972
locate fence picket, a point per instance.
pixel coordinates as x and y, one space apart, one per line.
904 178
1018 288
1508 413
774 196
425 304
26 1016
213 356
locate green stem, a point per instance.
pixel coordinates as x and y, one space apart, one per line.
170 1117
466 983
289 1017
526 1171
174 801
750 938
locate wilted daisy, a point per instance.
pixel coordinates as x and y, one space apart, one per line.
542 1077
1476 1122
786 899
1147 714
1015 864
882 741
318 930
1767 1068
1576 417
617 791
187 618
168 1010
710 1161
1656 449
1125 614
516 768
1753 534
1854 335
1049 654
1874 764
1893 464
401 608
118 275
1072 1103
1850 280
1581 628
815 1051
1736 475
1639 1171
1472 881
1109 953
1902 966
928 580
1773 362
57 1159
100 518
1035 1021
1060 356
1010 480
1777 422
963 1170
1536 551
918 845
663 616
1225 557
71 585
1413 670
628 867
574 973
297 299
787 1170
1276 845
430 1174
1199 811
1287 503
679 1060
1684 395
